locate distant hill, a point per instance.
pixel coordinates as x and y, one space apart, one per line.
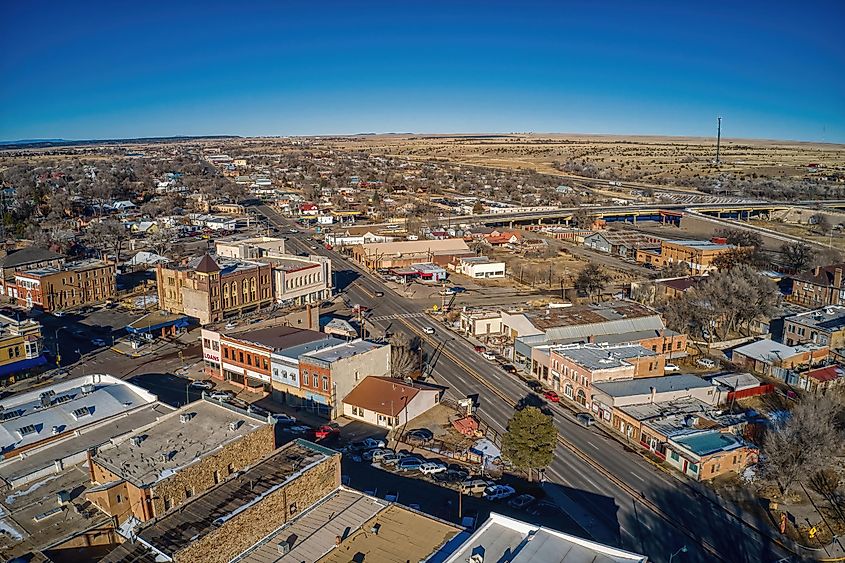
40 143
33 141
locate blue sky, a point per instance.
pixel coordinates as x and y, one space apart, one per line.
89 70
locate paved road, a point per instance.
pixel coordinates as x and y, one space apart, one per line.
614 494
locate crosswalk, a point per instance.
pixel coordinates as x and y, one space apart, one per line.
395 316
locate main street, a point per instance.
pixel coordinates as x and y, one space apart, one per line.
615 494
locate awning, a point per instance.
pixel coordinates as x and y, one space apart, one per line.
23 365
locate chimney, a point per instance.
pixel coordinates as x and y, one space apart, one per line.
817 270
837 278
653 394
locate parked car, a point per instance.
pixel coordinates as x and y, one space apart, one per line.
326 432
474 486
706 363
534 385
58 313
479 348
389 459
671 368
428 330
510 368
520 502
419 435
284 419
380 453
498 492
202 384
552 396
488 356
231 324
431 467
409 463
450 476
299 429
585 419
367 444
221 395
98 342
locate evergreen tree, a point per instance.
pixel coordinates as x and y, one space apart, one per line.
530 440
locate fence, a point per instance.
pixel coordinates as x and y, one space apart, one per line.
752 392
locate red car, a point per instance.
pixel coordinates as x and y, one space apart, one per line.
551 396
326 432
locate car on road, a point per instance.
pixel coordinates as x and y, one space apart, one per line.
221 395
510 368
534 385
488 356
419 435
521 502
231 324
474 486
671 368
409 463
706 363
428 330
58 313
379 294
98 342
455 290
498 492
431 467
202 384
551 396
293 231
585 419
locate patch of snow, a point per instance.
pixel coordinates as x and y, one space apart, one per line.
12 497
749 474
8 529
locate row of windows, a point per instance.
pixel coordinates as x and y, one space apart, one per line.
301 281
213 344
315 380
248 358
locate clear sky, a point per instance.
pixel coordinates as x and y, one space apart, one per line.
81 70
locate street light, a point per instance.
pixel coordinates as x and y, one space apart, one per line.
682 550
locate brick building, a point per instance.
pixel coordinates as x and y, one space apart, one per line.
697 254
74 285
30 258
21 345
824 326
189 451
328 375
211 290
404 253
820 286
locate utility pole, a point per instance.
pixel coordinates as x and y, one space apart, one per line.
718 138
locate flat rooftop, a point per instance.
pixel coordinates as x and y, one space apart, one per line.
706 443
29 418
644 385
33 518
290 264
170 444
177 529
403 534
602 357
588 314
830 318
78 266
504 539
342 351
277 337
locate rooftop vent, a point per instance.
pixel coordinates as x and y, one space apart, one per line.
88 388
234 425
284 548
136 440
55 430
184 417
45 400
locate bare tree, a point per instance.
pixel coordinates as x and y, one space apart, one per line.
821 224
107 236
797 256
404 355
591 280
803 444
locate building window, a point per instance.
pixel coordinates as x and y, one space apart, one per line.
325 383
249 359
674 455
168 504
316 381
231 468
292 509
226 353
216 477
118 499
241 357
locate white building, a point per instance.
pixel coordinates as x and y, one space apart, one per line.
480 267
389 402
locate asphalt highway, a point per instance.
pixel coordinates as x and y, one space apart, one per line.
618 497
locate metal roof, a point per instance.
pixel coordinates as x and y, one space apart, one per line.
644 385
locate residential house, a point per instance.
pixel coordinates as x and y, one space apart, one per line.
823 285
501 238
821 379
389 402
708 454
76 284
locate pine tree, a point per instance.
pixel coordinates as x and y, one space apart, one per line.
530 440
